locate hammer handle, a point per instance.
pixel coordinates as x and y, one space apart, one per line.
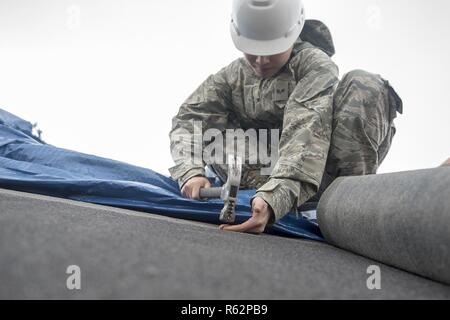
208 193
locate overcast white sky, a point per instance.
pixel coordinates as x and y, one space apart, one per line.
105 77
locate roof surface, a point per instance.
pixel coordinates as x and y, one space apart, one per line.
124 254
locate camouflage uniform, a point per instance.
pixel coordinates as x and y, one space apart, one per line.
328 127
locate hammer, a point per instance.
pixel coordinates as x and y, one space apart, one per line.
228 192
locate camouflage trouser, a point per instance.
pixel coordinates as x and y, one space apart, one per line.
365 106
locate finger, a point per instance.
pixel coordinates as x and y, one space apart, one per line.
187 192
248 225
256 230
196 192
196 189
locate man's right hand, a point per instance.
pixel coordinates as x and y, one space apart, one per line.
191 188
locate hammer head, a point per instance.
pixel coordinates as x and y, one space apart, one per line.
230 189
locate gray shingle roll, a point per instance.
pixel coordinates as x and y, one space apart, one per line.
401 219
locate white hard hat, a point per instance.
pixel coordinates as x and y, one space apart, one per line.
266 27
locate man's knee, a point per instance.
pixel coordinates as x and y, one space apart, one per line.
362 102
358 90
362 76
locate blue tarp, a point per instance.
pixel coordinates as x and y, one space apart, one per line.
31 165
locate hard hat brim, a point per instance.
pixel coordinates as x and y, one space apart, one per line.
264 48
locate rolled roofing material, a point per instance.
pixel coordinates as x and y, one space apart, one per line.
400 219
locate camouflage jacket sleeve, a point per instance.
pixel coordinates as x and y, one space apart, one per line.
305 137
208 105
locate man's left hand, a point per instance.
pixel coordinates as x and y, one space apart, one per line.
261 213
